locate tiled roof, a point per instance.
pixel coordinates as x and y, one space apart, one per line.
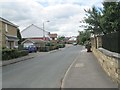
53 35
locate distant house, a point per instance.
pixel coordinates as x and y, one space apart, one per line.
73 39
53 37
8 33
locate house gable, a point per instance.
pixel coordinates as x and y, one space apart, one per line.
33 31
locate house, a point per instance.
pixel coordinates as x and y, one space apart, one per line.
8 33
72 40
53 36
35 35
35 32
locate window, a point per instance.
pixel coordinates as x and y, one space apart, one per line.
6 28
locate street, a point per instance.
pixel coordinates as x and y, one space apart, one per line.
40 72
60 44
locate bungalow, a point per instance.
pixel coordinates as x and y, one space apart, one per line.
8 33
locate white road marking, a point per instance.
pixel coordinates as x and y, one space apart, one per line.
79 65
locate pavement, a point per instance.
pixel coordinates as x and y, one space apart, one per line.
86 72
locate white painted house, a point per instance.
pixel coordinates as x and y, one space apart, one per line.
34 35
34 32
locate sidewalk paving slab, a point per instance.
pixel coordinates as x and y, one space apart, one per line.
86 72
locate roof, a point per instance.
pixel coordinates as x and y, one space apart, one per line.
34 26
53 35
11 38
8 22
33 31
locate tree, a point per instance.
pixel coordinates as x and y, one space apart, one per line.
93 19
83 36
19 36
61 38
106 20
111 16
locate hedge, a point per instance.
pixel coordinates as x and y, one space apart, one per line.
53 47
43 49
50 47
61 45
8 54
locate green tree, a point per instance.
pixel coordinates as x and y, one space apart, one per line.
106 20
19 36
111 16
84 36
61 38
93 19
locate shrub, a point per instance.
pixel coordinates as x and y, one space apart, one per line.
12 53
61 45
20 47
48 44
43 49
52 46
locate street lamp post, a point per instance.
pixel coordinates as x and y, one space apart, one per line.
44 30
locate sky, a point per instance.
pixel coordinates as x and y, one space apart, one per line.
64 16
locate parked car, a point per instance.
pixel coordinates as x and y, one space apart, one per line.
31 48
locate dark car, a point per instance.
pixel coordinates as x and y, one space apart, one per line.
31 48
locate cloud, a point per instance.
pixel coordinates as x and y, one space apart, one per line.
64 15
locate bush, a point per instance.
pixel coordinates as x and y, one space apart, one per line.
43 49
52 46
12 53
61 45
48 44
20 47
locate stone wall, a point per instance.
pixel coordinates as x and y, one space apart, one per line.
109 61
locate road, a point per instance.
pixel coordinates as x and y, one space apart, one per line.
40 72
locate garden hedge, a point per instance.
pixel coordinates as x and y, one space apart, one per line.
43 49
8 54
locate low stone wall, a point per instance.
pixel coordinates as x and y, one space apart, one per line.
109 61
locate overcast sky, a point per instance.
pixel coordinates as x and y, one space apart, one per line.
64 15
